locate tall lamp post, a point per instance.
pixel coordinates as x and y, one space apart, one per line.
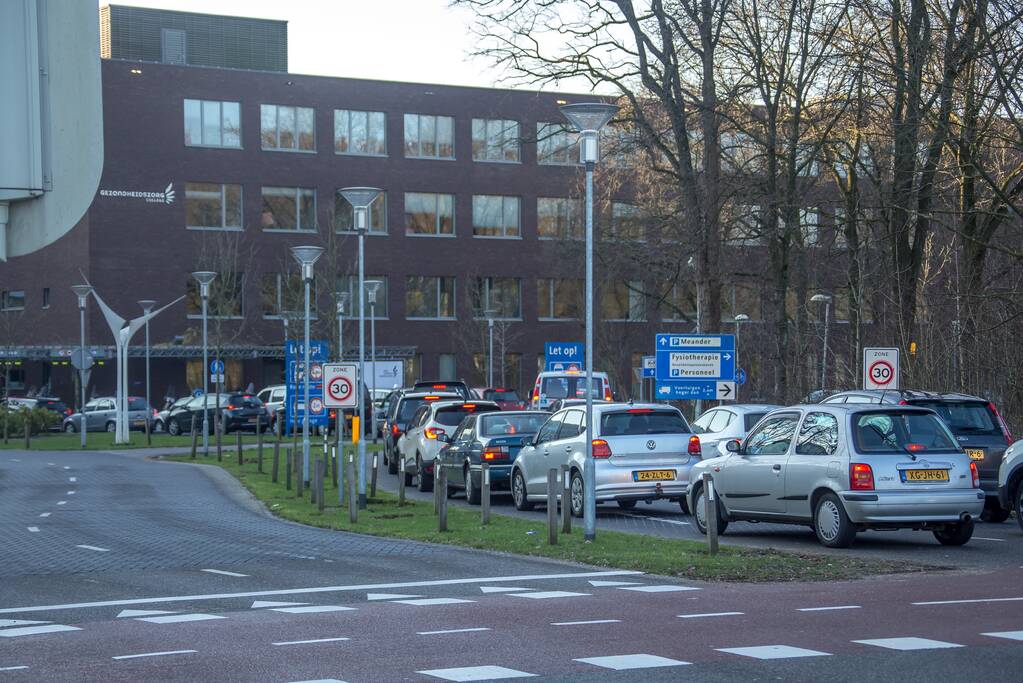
826 300
306 257
339 422
82 292
739 319
204 278
372 286
147 307
490 313
361 198
588 119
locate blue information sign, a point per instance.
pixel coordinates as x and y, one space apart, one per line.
695 366
216 367
564 356
294 362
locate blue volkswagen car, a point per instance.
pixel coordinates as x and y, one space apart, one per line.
494 438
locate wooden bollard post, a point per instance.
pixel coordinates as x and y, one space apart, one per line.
373 477
321 475
401 482
259 444
566 499
195 437
28 432
440 481
238 446
149 431
298 459
711 508
288 467
333 465
276 465
353 496
552 506
313 484
485 495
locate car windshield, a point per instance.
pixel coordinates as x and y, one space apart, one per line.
500 395
965 417
639 421
750 420
500 424
136 403
452 416
568 386
897 432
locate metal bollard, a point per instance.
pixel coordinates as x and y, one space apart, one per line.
711 512
276 466
401 482
238 445
566 499
288 467
220 445
373 477
353 496
333 465
321 471
441 483
436 487
259 444
195 438
313 485
485 494
552 506
299 472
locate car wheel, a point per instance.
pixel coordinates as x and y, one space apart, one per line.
954 534
519 492
425 480
111 427
993 512
627 504
684 504
158 427
70 428
700 514
174 429
576 495
831 524
473 493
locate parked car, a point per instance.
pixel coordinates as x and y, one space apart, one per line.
846 468
272 398
419 445
494 438
54 405
1010 480
641 452
242 412
974 422
551 386
507 399
101 415
724 423
405 407
160 421
179 417
453 386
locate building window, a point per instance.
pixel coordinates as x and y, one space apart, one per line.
447 364
495 140
289 208
429 137
287 128
494 216
344 215
350 284
209 123
12 300
559 299
430 297
46 297
559 218
500 294
680 303
360 132
285 293
429 214
226 297
555 144
622 301
209 206
626 222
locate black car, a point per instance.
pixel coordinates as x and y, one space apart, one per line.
242 412
974 421
452 386
397 420
238 411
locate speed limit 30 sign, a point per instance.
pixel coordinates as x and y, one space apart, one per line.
339 382
880 368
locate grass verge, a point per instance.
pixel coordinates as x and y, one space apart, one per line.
677 558
104 441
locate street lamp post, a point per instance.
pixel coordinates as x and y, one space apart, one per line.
826 300
588 119
361 198
371 293
147 307
739 319
82 291
490 313
306 257
204 278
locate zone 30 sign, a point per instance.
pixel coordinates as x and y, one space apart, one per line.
880 368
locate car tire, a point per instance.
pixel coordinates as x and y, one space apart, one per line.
830 523
69 428
174 429
700 516
684 504
158 427
627 504
955 534
519 492
993 512
425 480
473 493
111 427
576 495
408 479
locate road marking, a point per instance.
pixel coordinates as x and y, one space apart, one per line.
711 614
4 623
773 652
425 602
140 613
72 479
157 654
584 623
61 502
92 547
454 630
1011 635
967 602
312 609
503 589
222 572
321 589
70 493
263 603
827 609
322 680
657 589
35 630
985 538
626 662
178 618
546 595
310 642
389 596
45 514
476 673
606 584
911 643
34 529
12 668
66 467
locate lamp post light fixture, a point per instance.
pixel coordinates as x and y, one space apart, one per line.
147 308
204 278
490 314
588 119
306 257
82 292
361 198
372 286
826 300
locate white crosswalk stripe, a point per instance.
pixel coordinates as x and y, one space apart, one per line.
772 652
911 643
626 662
476 673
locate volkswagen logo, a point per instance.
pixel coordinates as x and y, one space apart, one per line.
651 445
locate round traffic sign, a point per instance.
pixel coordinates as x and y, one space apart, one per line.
316 405
317 371
881 372
339 389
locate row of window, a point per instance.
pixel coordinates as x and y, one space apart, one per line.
212 123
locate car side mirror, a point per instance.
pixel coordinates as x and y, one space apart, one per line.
443 438
527 440
733 446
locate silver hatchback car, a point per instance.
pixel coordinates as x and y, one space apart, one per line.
843 469
641 451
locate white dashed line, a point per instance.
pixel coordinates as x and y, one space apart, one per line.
4 623
258 604
157 654
584 623
224 573
312 609
72 479
36 630
710 614
66 467
70 493
126 613
906 644
427 602
827 609
92 547
178 618
967 602
626 662
12 668
390 596
507 589
45 514
1010 635
657 589
547 595
34 529
476 673
310 642
985 538
454 630
607 584
61 502
773 652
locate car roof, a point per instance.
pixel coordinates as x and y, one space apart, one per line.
448 404
542 413
909 395
745 407
563 373
854 408
424 394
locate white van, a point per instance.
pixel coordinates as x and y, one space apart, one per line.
561 384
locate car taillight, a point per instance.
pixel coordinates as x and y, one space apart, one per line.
903 402
469 406
1005 427
640 410
432 432
694 445
975 475
394 430
914 447
861 477
536 393
607 394
496 453
333 415
231 407
68 411
154 412
601 449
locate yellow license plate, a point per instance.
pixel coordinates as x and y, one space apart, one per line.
926 475
975 453
653 475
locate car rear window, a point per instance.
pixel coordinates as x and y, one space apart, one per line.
492 395
895 432
408 408
569 386
136 403
637 422
453 415
501 424
455 387
750 420
965 417
58 406
245 401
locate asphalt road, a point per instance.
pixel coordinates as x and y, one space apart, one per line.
117 568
